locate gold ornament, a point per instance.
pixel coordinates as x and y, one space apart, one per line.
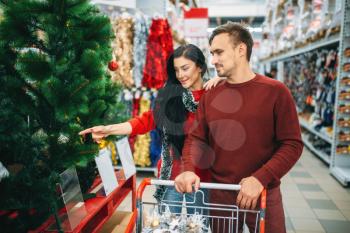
111 146
123 51
155 223
41 35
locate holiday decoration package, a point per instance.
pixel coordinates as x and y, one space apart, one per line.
167 222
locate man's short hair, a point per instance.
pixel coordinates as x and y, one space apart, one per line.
238 34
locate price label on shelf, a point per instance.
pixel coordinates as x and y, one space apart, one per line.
106 170
126 158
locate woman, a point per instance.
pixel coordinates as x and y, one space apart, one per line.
173 115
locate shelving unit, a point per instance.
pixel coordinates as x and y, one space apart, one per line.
148 8
339 164
143 169
326 158
101 210
333 39
309 128
341 173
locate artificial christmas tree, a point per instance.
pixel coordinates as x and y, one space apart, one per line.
53 76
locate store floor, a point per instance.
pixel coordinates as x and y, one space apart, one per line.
314 201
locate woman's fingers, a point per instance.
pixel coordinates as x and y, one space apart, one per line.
85 131
101 129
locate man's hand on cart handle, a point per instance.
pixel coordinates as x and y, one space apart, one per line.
185 181
249 194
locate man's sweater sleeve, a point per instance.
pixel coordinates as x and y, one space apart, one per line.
142 124
195 146
288 137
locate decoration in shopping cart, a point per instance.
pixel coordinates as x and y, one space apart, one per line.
168 222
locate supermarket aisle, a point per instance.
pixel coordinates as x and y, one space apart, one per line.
314 201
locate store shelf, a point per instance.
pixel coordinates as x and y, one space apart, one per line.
309 128
342 174
99 209
296 51
320 154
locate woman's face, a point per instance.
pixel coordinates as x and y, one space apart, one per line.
188 73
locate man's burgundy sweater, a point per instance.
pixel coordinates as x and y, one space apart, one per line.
246 129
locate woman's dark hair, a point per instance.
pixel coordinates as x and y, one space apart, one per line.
169 111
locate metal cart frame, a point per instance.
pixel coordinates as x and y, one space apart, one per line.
232 221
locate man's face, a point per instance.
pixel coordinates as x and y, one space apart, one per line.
224 55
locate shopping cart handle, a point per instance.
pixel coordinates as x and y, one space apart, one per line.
204 185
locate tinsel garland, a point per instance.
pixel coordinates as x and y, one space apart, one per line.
110 146
159 47
141 27
123 50
142 144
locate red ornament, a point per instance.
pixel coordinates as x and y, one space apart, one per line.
113 65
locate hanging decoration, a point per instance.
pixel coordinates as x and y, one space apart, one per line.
3 172
110 146
142 144
113 66
159 47
123 50
140 44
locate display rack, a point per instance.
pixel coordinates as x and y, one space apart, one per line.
339 162
309 128
148 8
144 169
333 39
326 158
101 210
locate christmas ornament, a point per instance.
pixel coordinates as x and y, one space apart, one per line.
159 48
3 171
113 66
111 146
41 35
63 139
39 135
123 50
167 222
141 27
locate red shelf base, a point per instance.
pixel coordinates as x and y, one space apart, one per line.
99 209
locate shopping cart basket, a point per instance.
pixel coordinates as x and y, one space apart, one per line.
230 218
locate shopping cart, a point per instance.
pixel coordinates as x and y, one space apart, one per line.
227 218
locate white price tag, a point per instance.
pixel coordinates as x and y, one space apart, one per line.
126 158
106 170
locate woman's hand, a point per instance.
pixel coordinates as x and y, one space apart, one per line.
97 132
102 131
213 83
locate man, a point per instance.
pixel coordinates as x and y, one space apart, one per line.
272 73
247 130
